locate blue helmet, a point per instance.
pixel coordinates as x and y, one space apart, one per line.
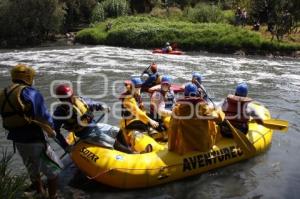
197 76
166 79
136 82
190 90
241 90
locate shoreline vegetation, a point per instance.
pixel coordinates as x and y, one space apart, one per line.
254 27
11 185
152 32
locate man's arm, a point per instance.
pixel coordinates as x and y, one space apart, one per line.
131 106
93 105
251 111
39 110
58 121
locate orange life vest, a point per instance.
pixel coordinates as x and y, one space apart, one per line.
235 109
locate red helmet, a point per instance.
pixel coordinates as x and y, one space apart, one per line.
64 91
153 68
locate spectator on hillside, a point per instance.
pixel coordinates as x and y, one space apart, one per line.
244 17
238 14
256 26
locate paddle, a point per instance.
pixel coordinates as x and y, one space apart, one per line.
275 124
242 141
239 137
47 128
145 70
50 132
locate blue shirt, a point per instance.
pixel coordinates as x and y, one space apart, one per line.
39 109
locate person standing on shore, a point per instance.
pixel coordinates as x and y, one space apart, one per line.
244 17
25 116
238 15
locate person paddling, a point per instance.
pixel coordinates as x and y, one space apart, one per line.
197 80
162 102
23 110
238 109
153 79
133 110
168 48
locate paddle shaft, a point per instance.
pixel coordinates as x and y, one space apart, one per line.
204 91
145 70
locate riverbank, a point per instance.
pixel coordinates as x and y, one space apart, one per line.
151 32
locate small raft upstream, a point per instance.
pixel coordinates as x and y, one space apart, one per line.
173 52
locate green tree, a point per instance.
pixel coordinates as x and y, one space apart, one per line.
29 21
282 16
78 11
110 8
205 13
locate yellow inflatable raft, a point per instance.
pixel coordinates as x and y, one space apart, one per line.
128 171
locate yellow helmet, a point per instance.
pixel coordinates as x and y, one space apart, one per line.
23 72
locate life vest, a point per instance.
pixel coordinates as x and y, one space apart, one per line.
169 102
235 109
14 111
80 118
125 113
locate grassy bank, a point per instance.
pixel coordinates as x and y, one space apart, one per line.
150 32
11 186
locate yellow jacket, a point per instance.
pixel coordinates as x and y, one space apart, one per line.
193 126
131 105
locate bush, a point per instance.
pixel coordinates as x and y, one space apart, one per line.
174 12
158 12
95 35
11 186
78 11
116 8
229 16
98 13
151 32
110 8
204 13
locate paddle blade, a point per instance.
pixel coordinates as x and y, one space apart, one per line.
242 141
276 124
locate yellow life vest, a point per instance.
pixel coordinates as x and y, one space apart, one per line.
14 111
79 117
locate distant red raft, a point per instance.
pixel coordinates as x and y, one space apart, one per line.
173 52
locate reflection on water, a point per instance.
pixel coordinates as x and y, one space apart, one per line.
274 82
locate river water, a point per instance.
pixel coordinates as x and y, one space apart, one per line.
98 72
